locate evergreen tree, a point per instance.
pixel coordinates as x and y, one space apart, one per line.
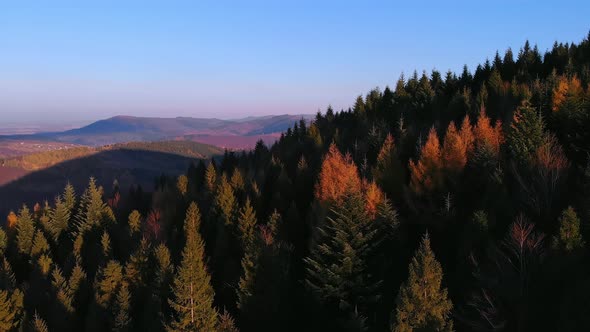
569 237
69 197
336 272
210 177
247 226
192 301
225 201
422 305
526 135
182 184
122 308
134 222
25 231
425 174
59 218
38 324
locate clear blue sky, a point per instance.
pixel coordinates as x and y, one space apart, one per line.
74 61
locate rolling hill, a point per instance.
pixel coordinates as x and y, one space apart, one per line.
36 177
120 129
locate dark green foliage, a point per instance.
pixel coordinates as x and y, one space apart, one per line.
525 135
336 270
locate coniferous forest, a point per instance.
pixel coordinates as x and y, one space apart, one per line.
448 202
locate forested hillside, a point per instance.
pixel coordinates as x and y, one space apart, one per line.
450 202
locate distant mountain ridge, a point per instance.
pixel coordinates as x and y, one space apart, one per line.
122 128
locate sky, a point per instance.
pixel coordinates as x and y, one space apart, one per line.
77 61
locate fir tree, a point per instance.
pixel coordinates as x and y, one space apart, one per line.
422 305
192 301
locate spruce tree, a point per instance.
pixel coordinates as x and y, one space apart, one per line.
225 201
59 218
25 231
422 303
69 197
526 135
11 299
192 300
336 272
247 226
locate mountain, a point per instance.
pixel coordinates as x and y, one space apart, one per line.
120 129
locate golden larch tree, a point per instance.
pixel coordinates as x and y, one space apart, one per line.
425 174
454 152
338 176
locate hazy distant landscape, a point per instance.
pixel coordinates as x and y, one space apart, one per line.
230 134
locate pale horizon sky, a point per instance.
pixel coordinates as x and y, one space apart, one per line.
74 61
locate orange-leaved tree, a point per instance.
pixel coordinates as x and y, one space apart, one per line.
338 177
425 174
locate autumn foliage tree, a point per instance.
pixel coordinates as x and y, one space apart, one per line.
338 177
426 173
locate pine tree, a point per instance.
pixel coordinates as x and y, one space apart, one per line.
25 231
192 301
422 305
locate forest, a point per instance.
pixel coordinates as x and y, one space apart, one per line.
450 202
